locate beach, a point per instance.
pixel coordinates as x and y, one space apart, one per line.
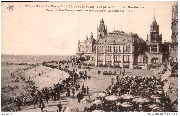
19 80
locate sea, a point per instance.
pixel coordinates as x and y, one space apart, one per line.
32 59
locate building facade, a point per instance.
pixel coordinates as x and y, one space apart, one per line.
174 26
85 48
115 48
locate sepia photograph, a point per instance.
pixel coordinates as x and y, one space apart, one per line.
89 56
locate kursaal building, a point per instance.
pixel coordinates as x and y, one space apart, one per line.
122 49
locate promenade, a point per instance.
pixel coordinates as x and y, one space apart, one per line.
97 83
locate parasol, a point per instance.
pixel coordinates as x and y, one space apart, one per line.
140 100
126 96
153 106
100 94
111 98
97 111
71 109
98 101
155 109
126 104
155 97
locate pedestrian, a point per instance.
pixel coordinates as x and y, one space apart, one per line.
42 106
112 81
82 86
87 90
59 107
73 91
77 87
68 92
18 103
84 90
35 100
47 98
64 109
78 96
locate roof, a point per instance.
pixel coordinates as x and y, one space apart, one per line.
119 38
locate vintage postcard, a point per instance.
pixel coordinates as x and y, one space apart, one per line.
89 56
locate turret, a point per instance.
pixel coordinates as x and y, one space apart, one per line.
102 30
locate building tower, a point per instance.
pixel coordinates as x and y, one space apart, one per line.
154 42
102 30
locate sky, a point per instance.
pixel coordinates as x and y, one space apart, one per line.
39 31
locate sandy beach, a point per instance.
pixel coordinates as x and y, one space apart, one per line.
44 76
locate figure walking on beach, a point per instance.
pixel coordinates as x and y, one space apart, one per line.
73 91
59 107
18 103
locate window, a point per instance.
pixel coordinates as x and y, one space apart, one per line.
154 48
119 48
129 48
125 48
126 59
109 48
108 58
117 58
116 49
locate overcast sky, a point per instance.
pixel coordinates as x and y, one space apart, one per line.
35 31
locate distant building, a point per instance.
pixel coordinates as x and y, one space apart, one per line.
154 43
174 26
85 48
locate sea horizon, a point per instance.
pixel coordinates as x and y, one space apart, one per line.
32 59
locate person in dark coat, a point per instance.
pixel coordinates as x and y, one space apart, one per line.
42 106
78 96
73 91
87 90
18 103
68 92
59 107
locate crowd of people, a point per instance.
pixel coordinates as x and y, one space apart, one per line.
133 94
69 86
